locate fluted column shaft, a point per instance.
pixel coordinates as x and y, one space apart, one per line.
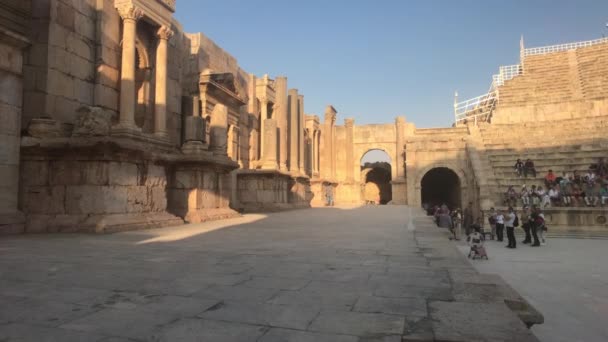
160 117
130 14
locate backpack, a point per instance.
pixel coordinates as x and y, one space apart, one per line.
516 221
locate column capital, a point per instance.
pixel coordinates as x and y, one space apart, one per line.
349 122
130 12
164 32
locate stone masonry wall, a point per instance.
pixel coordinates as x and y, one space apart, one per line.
60 195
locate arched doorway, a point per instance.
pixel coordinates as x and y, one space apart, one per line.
376 177
439 186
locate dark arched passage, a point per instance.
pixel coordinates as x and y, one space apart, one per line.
441 186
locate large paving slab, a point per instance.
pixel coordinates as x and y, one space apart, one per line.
567 280
333 274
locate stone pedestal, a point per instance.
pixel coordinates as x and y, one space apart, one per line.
219 130
270 146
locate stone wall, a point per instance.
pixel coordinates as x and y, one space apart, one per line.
270 190
14 21
93 195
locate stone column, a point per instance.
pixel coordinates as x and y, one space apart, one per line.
263 116
280 113
301 141
328 139
270 149
315 152
293 130
130 14
219 130
350 127
400 138
252 110
160 106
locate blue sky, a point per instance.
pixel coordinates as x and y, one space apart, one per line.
374 60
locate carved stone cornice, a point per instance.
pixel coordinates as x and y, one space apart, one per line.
164 32
130 12
170 4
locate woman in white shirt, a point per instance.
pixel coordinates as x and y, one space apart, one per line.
500 225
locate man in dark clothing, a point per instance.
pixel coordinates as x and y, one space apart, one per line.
536 222
525 219
467 219
529 168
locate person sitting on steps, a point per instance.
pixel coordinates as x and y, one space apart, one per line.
529 168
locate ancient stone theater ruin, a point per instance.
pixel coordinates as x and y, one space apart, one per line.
114 118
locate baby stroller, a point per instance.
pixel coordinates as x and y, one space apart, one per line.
476 242
478 252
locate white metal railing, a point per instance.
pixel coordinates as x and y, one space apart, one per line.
506 73
480 106
562 47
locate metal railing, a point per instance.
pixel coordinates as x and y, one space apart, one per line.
506 73
476 108
562 47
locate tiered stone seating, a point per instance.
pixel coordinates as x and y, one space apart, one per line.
450 132
563 146
593 69
547 79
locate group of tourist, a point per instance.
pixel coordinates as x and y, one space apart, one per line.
569 189
531 219
454 220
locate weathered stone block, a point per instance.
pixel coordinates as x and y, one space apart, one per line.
186 179
156 176
87 199
157 198
120 173
65 15
137 199
78 173
44 200
11 59
34 173
92 121
210 200
10 89
9 149
210 180
106 97
194 128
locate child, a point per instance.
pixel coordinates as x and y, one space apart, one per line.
475 240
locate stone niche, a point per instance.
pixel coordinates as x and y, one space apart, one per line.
271 190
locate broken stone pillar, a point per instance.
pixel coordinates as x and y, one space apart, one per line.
270 148
280 114
160 108
400 138
329 170
263 116
350 127
130 14
219 130
293 130
301 134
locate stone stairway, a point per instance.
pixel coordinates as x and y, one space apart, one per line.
565 147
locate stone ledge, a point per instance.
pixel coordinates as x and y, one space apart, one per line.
110 223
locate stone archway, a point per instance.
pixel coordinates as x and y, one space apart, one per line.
441 186
447 182
376 176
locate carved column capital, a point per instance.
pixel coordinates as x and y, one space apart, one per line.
164 32
130 12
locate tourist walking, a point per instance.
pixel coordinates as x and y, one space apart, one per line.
329 195
456 224
444 220
492 222
525 224
510 219
500 226
467 219
536 221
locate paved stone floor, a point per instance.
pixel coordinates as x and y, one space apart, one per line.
364 274
567 280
